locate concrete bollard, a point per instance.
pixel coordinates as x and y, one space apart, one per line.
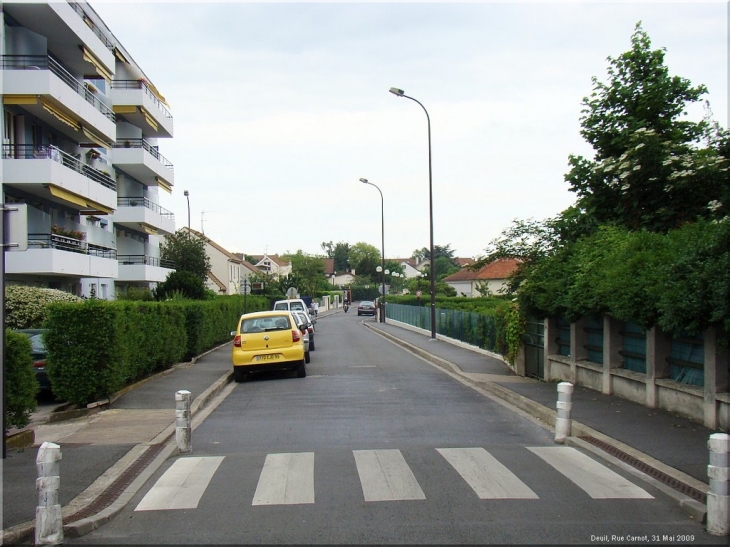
718 496
48 521
562 422
183 421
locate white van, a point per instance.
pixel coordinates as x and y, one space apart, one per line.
293 304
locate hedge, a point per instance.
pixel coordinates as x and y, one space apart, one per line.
20 381
97 347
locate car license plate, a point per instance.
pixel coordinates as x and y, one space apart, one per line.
267 357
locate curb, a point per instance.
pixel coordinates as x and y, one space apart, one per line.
547 417
25 532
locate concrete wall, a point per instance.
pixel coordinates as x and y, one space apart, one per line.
708 404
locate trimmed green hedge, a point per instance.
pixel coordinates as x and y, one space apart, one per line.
97 347
21 385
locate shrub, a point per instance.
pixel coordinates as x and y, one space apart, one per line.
27 307
21 385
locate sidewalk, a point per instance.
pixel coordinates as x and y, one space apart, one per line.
108 456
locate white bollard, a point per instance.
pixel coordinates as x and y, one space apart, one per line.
562 422
183 421
718 496
48 522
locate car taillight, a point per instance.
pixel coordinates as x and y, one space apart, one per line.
237 341
310 329
296 336
39 364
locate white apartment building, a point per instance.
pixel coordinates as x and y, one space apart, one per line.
80 129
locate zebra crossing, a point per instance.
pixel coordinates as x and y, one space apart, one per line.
385 475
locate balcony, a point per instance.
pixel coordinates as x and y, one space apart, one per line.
143 268
41 86
144 162
142 106
139 213
50 173
59 255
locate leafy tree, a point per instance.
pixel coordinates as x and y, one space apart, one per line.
341 255
27 307
649 170
328 248
443 267
187 252
309 271
364 258
438 251
181 282
21 385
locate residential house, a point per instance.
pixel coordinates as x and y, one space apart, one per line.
272 264
227 271
493 276
80 129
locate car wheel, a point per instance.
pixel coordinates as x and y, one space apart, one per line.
311 345
301 370
239 375
359 314
306 357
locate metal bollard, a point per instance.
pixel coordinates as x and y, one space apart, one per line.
48 521
718 496
562 422
183 421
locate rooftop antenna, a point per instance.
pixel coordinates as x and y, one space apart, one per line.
202 213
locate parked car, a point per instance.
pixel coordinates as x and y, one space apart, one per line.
39 355
366 307
294 304
266 341
308 326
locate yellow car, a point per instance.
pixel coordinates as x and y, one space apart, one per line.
265 341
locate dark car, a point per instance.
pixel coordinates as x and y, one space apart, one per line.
366 307
39 354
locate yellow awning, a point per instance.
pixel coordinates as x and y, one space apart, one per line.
100 69
124 109
162 183
146 228
149 119
65 118
93 137
120 55
154 90
20 99
81 201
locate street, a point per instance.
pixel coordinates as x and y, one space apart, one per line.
377 446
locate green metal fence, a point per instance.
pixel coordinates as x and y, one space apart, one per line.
473 328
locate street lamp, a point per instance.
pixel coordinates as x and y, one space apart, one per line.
187 195
382 256
401 93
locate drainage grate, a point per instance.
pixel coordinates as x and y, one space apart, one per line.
115 489
646 468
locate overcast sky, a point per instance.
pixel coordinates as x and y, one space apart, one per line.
280 108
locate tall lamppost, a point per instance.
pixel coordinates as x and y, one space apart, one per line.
187 196
401 93
382 243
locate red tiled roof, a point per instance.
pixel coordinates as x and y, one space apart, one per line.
499 269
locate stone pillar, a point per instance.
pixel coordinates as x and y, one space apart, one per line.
658 348
578 351
48 521
612 344
183 421
716 376
550 346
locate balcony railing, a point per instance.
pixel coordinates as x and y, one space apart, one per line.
63 243
146 260
141 143
139 84
152 206
96 30
45 62
29 152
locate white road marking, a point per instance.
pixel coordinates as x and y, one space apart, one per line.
598 481
385 476
486 475
286 479
181 486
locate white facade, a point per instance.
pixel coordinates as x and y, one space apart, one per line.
80 130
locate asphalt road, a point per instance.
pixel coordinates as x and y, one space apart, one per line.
376 446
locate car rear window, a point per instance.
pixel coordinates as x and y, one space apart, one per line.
297 306
281 306
265 324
